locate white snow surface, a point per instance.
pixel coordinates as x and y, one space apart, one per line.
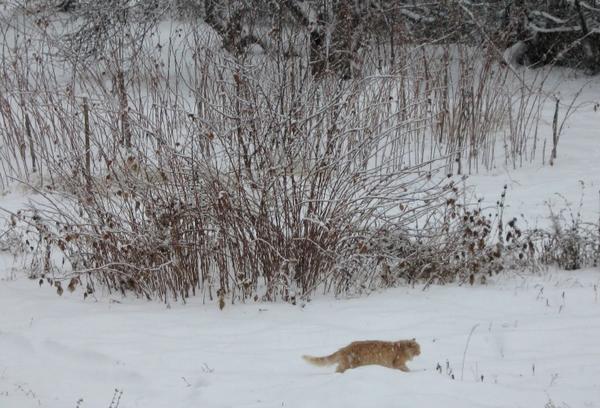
535 338
573 182
534 342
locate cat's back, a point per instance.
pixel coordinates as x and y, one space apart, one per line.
365 347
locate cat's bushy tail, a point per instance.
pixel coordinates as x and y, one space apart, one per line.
322 361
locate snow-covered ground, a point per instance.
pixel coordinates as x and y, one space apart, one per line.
534 342
535 339
575 175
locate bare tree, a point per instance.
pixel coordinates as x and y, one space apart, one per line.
336 31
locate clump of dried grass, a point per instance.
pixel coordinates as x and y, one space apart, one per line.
570 243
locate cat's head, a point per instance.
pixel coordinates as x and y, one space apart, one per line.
413 346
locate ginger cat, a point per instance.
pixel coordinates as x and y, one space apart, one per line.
392 354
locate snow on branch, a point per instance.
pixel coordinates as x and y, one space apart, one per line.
539 29
548 16
416 17
584 5
587 6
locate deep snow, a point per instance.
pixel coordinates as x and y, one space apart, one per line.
535 341
574 178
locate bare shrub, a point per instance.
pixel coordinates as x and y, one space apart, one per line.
188 170
453 102
570 243
250 189
461 242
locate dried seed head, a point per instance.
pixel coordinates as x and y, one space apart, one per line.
73 284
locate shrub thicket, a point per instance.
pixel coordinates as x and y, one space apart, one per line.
182 169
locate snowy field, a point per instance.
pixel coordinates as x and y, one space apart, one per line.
535 187
534 343
535 339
